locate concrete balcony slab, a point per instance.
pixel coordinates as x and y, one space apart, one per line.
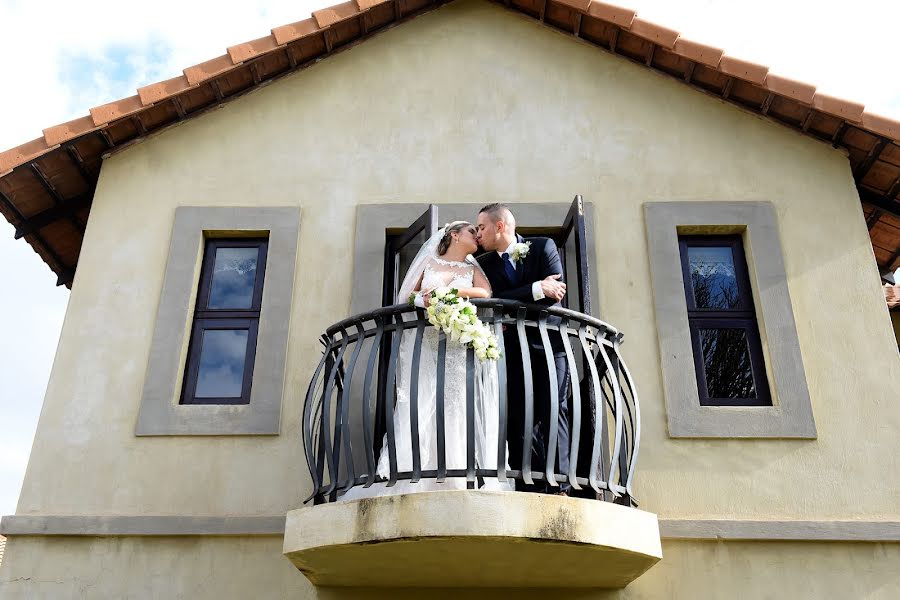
469 538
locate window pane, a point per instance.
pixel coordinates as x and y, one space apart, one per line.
234 275
713 278
726 359
222 356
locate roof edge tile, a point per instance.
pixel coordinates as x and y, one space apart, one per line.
697 52
838 107
620 16
57 134
208 69
623 17
23 153
881 125
791 88
116 109
892 295
657 34
294 31
579 5
161 90
744 69
334 14
241 52
367 4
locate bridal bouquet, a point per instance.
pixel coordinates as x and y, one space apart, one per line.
458 318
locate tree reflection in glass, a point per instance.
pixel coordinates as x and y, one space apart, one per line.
234 277
726 363
713 278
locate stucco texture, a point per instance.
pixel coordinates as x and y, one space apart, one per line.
471 103
196 569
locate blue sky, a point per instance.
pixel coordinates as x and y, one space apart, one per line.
60 58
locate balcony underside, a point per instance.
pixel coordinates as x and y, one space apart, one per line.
471 538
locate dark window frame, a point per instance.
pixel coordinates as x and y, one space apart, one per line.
742 317
206 319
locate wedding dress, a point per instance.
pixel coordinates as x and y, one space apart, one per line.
437 272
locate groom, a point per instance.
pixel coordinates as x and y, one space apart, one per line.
534 278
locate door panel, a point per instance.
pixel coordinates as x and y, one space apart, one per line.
400 249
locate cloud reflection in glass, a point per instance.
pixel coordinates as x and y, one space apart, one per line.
222 356
234 276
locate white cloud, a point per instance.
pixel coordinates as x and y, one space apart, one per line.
60 58
843 49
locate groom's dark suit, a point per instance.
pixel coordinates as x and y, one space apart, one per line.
541 261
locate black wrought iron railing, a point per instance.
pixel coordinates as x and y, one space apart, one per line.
343 419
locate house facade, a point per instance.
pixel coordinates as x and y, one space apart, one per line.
133 492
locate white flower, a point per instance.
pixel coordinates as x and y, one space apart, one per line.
458 319
520 251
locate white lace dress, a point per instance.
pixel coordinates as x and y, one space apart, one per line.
440 273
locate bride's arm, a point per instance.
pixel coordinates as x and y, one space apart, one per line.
418 286
481 289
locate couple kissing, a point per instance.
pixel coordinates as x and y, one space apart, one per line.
510 268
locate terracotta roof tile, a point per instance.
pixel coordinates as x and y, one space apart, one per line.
892 295
163 89
336 13
367 4
881 125
23 153
68 130
657 34
208 69
700 65
708 55
581 5
845 109
116 110
252 49
802 92
295 31
623 17
743 69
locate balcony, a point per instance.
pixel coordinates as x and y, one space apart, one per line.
358 531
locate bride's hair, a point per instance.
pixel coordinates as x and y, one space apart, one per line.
450 228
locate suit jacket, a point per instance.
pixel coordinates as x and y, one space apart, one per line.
541 261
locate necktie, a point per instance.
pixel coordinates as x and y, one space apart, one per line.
509 269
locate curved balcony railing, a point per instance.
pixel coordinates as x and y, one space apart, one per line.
349 402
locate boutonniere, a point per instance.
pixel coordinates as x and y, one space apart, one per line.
520 251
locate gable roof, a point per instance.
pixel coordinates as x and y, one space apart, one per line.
47 184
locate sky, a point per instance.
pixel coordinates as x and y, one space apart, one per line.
58 59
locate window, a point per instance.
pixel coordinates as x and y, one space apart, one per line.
169 403
748 229
222 349
728 357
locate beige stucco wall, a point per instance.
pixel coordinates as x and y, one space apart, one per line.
197 569
473 104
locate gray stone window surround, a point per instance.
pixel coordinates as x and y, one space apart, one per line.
160 412
790 416
372 220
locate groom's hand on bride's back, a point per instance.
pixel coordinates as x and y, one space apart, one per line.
553 288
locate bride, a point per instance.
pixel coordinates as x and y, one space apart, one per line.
444 261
